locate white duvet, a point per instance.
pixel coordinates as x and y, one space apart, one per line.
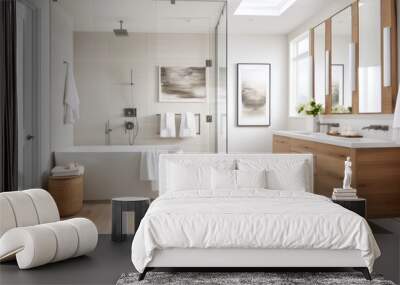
253 218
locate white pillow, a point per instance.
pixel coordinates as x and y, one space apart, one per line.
293 179
224 179
188 177
251 178
282 174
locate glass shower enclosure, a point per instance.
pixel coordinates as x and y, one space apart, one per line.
150 72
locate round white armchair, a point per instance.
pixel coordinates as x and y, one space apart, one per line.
31 230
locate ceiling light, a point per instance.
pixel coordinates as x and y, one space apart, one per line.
263 7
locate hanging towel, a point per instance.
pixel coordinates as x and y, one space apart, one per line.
71 99
149 167
188 125
396 120
167 125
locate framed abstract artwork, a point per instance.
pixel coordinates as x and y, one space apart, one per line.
182 84
253 94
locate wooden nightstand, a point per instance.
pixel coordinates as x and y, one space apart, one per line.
358 205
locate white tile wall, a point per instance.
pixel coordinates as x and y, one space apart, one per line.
102 69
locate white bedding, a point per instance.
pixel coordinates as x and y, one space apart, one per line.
251 218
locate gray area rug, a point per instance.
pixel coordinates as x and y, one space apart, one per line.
269 278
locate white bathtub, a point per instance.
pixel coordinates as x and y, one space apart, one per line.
111 171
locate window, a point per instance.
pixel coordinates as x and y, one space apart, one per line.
300 73
263 7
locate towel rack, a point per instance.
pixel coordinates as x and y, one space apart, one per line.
197 115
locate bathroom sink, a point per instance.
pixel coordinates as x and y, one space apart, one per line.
339 141
305 133
312 134
319 135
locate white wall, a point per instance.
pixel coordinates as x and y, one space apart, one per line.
61 49
55 26
102 69
43 9
253 48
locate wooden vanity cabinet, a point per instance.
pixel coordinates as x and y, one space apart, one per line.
281 144
376 172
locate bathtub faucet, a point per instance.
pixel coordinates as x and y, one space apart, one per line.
108 131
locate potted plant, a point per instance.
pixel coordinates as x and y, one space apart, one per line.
311 108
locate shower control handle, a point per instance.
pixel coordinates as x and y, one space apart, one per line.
30 137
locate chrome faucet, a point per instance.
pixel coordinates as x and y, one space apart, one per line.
377 127
329 125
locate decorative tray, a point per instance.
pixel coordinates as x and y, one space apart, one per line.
344 136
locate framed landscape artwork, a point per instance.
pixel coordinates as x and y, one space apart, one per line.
253 94
182 84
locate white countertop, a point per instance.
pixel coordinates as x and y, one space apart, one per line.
338 141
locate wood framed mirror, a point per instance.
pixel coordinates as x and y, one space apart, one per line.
370 64
318 53
341 68
358 48
377 72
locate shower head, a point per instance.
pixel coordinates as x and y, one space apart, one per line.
121 32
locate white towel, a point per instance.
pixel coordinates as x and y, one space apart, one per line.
149 167
396 120
71 99
65 171
188 125
167 125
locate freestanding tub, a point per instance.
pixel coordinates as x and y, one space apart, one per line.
111 171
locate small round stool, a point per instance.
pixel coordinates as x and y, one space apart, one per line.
139 205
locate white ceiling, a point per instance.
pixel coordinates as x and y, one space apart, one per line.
143 15
297 14
183 17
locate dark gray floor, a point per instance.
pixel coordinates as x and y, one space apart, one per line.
110 260
103 266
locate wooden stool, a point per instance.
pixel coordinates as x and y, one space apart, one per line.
67 191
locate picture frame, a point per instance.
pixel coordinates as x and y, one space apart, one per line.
182 84
253 95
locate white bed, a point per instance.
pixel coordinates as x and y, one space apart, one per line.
202 220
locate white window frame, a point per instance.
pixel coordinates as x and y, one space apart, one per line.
294 57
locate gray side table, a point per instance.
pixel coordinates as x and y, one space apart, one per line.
139 205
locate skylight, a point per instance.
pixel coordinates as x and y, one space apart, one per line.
263 7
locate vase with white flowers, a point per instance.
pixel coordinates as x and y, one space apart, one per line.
311 108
